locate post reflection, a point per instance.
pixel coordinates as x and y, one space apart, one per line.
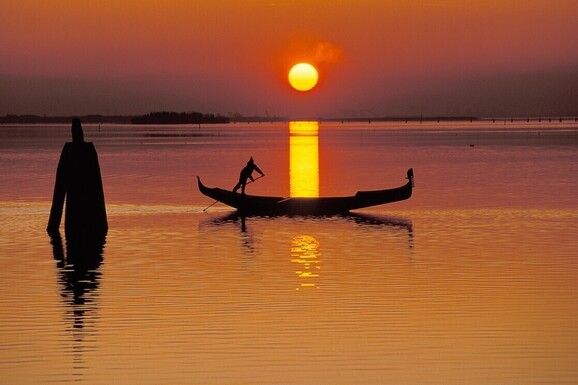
304 159
79 277
305 254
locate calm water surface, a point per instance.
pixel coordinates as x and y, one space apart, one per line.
473 280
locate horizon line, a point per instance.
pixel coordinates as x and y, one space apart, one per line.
126 119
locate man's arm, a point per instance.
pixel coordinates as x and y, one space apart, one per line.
259 170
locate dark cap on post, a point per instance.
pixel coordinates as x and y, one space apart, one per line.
77 134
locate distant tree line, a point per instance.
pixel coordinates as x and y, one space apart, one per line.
152 118
38 119
178 118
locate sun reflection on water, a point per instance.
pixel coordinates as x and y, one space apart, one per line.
305 253
304 159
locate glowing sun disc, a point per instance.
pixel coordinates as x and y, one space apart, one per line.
303 76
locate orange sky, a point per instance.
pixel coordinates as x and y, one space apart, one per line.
375 58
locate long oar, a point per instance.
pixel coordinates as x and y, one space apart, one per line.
251 181
209 206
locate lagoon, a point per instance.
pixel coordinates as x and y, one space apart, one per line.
472 280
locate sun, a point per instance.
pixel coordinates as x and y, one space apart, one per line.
303 76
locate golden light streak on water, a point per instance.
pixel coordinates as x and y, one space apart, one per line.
305 253
304 159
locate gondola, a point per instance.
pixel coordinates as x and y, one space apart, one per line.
268 205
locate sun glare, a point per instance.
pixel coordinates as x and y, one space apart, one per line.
303 76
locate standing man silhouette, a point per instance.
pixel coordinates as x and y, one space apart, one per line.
78 179
247 173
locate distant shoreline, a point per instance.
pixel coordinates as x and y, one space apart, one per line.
198 118
151 118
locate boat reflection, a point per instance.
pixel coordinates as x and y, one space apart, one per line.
236 220
246 236
304 159
363 219
79 276
305 248
390 222
381 220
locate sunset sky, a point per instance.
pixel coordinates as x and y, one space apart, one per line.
374 58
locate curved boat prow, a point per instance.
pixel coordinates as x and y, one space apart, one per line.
409 177
202 187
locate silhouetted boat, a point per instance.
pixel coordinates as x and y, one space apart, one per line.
266 205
